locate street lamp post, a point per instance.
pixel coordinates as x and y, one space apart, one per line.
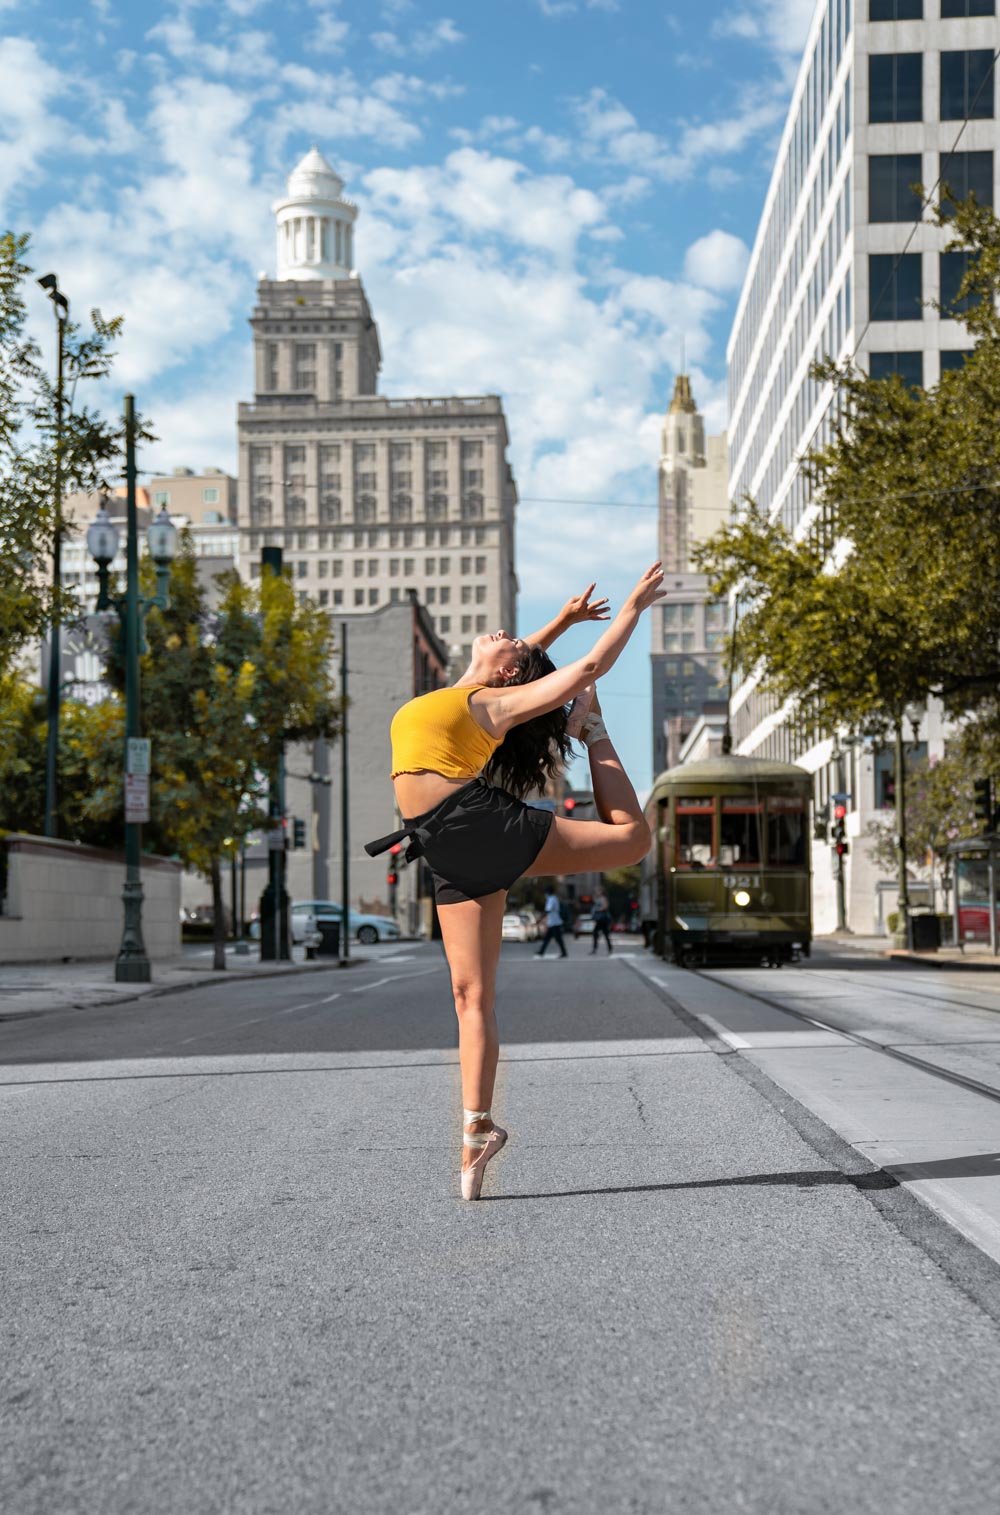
132 963
60 305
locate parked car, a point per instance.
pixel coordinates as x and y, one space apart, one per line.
305 931
583 926
514 928
367 929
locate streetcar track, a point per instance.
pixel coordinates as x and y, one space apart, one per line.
963 1080
943 999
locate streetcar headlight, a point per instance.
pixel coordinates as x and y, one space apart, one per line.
741 898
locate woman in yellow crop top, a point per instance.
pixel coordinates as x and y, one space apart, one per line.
462 758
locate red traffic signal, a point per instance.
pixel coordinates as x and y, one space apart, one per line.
392 879
569 804
395 849
839 811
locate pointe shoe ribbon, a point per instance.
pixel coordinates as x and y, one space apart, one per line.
472 1176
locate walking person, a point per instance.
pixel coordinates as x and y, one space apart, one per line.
553 925
462 758
602 919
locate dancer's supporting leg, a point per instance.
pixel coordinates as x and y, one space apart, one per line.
471 935
620 837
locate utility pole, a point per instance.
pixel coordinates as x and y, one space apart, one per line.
132 963
60 305
274 946
902 933
345 812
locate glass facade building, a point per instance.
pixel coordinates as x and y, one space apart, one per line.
891 95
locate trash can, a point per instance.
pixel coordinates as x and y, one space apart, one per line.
330 938
925 930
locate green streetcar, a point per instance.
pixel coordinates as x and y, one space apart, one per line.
728 873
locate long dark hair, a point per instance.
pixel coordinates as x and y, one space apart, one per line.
536 750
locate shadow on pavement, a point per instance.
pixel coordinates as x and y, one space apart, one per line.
823 1177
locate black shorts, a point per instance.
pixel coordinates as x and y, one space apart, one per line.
476 841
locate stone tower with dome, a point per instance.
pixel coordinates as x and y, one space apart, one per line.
369 497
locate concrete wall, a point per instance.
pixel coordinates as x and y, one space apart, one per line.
63 901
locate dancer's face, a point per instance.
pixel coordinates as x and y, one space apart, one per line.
500 655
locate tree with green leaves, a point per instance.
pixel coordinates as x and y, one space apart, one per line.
222 691
895 591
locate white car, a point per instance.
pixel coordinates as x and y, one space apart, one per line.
514 928
367 929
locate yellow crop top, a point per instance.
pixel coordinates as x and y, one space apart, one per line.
438 733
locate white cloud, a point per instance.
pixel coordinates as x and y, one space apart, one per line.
780 26
717 261
422 43
249 56
611 134
330 34
29 127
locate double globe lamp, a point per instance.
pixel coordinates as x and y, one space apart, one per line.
102 544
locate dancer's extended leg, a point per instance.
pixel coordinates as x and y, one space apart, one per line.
620 837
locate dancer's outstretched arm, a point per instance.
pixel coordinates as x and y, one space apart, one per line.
575 610
498 710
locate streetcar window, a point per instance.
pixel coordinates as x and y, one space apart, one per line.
786 838
739 836
695 821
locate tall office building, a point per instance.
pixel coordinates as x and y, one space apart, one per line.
688 630
844 262
369 496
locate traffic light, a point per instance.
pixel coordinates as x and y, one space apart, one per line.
839 829
569 805
392 879
983 791
821 824
298 832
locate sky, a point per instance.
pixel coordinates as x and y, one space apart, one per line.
557 198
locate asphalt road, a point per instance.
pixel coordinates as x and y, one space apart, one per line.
237 1276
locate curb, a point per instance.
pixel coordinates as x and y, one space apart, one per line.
919 959
197 980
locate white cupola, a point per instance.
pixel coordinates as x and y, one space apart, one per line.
315 223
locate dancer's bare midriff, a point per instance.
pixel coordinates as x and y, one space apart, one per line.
416 793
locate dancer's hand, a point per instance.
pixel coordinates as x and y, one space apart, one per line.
580 608
648 590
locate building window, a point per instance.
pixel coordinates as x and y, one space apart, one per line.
304 373
671 642
908 365
953 267
364 509
430 565
480 623
466 623
359 597
161 497
466 594
435 452
302 568
324 596
895 10
967 8
687 615
430 594
260 511
472 507
329 453
445 594
967 86
480 594
364 452
373 568
890 197
323 568
444 623
373 596
210 497
964 174
338 597
329 509
359 568
295 511
407 568
894 287
401 508
954 358
437 507
480 565
895 85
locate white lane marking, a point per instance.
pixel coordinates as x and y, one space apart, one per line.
310 1004
398 957
738 1043
394 979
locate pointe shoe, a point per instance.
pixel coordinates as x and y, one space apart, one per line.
472 1176
579 710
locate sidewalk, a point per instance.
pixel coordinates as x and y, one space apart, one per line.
975 957
27 988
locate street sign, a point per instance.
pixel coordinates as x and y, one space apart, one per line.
136 798
137 756
276 839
